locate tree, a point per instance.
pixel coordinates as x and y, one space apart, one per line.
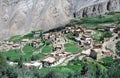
118 48
114 70
107 34
53 74
34 57
20 62
2 62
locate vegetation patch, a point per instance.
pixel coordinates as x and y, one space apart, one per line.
70 44
37 56
107 60
16 38
95 21
118 48
28 48
72 47
97 38
47 49
12 55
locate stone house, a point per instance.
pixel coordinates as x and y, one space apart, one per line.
49 61
54 58
96 54
16 46
46 36
24 41
97 45
37 34
116 30
57 47
35 43
106 39
10 43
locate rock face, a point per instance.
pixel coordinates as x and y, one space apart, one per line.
98 8
21 16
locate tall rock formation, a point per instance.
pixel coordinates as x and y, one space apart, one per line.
22 16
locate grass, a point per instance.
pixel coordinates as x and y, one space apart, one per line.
29 35
92 65
62 70
28 48
27 56
70 44
96 21
107 60
72 47
13 55
40 56
47 49
16 38
97 38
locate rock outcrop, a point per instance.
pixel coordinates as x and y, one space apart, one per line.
98 8
22 16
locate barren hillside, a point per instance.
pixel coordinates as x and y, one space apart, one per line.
21 16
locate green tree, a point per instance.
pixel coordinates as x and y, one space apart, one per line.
107 34
2 62
20 62
34 57
53 74
114 69
118 48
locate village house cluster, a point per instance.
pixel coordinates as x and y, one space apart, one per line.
54 59
82 35
11 45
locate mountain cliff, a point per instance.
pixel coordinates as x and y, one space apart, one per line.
22 16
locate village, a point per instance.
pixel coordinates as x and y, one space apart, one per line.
89 42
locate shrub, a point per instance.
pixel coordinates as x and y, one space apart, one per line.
107 34
118 48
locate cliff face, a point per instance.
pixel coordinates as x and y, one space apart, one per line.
98 8
22 16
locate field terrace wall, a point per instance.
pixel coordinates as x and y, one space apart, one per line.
98 9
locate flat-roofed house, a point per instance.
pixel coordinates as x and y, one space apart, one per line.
58 47
10 43
97 45
16 46
35 43
37 34
96 54
46 36
24 41
49 61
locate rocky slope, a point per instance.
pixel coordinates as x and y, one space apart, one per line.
21 16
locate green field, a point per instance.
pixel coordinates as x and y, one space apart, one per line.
28 48
97 21
72 47
16 38
47 49
107 60
62 70
14 55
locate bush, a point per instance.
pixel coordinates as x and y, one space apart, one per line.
118 48
108 61
2 62
107 34
97 38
